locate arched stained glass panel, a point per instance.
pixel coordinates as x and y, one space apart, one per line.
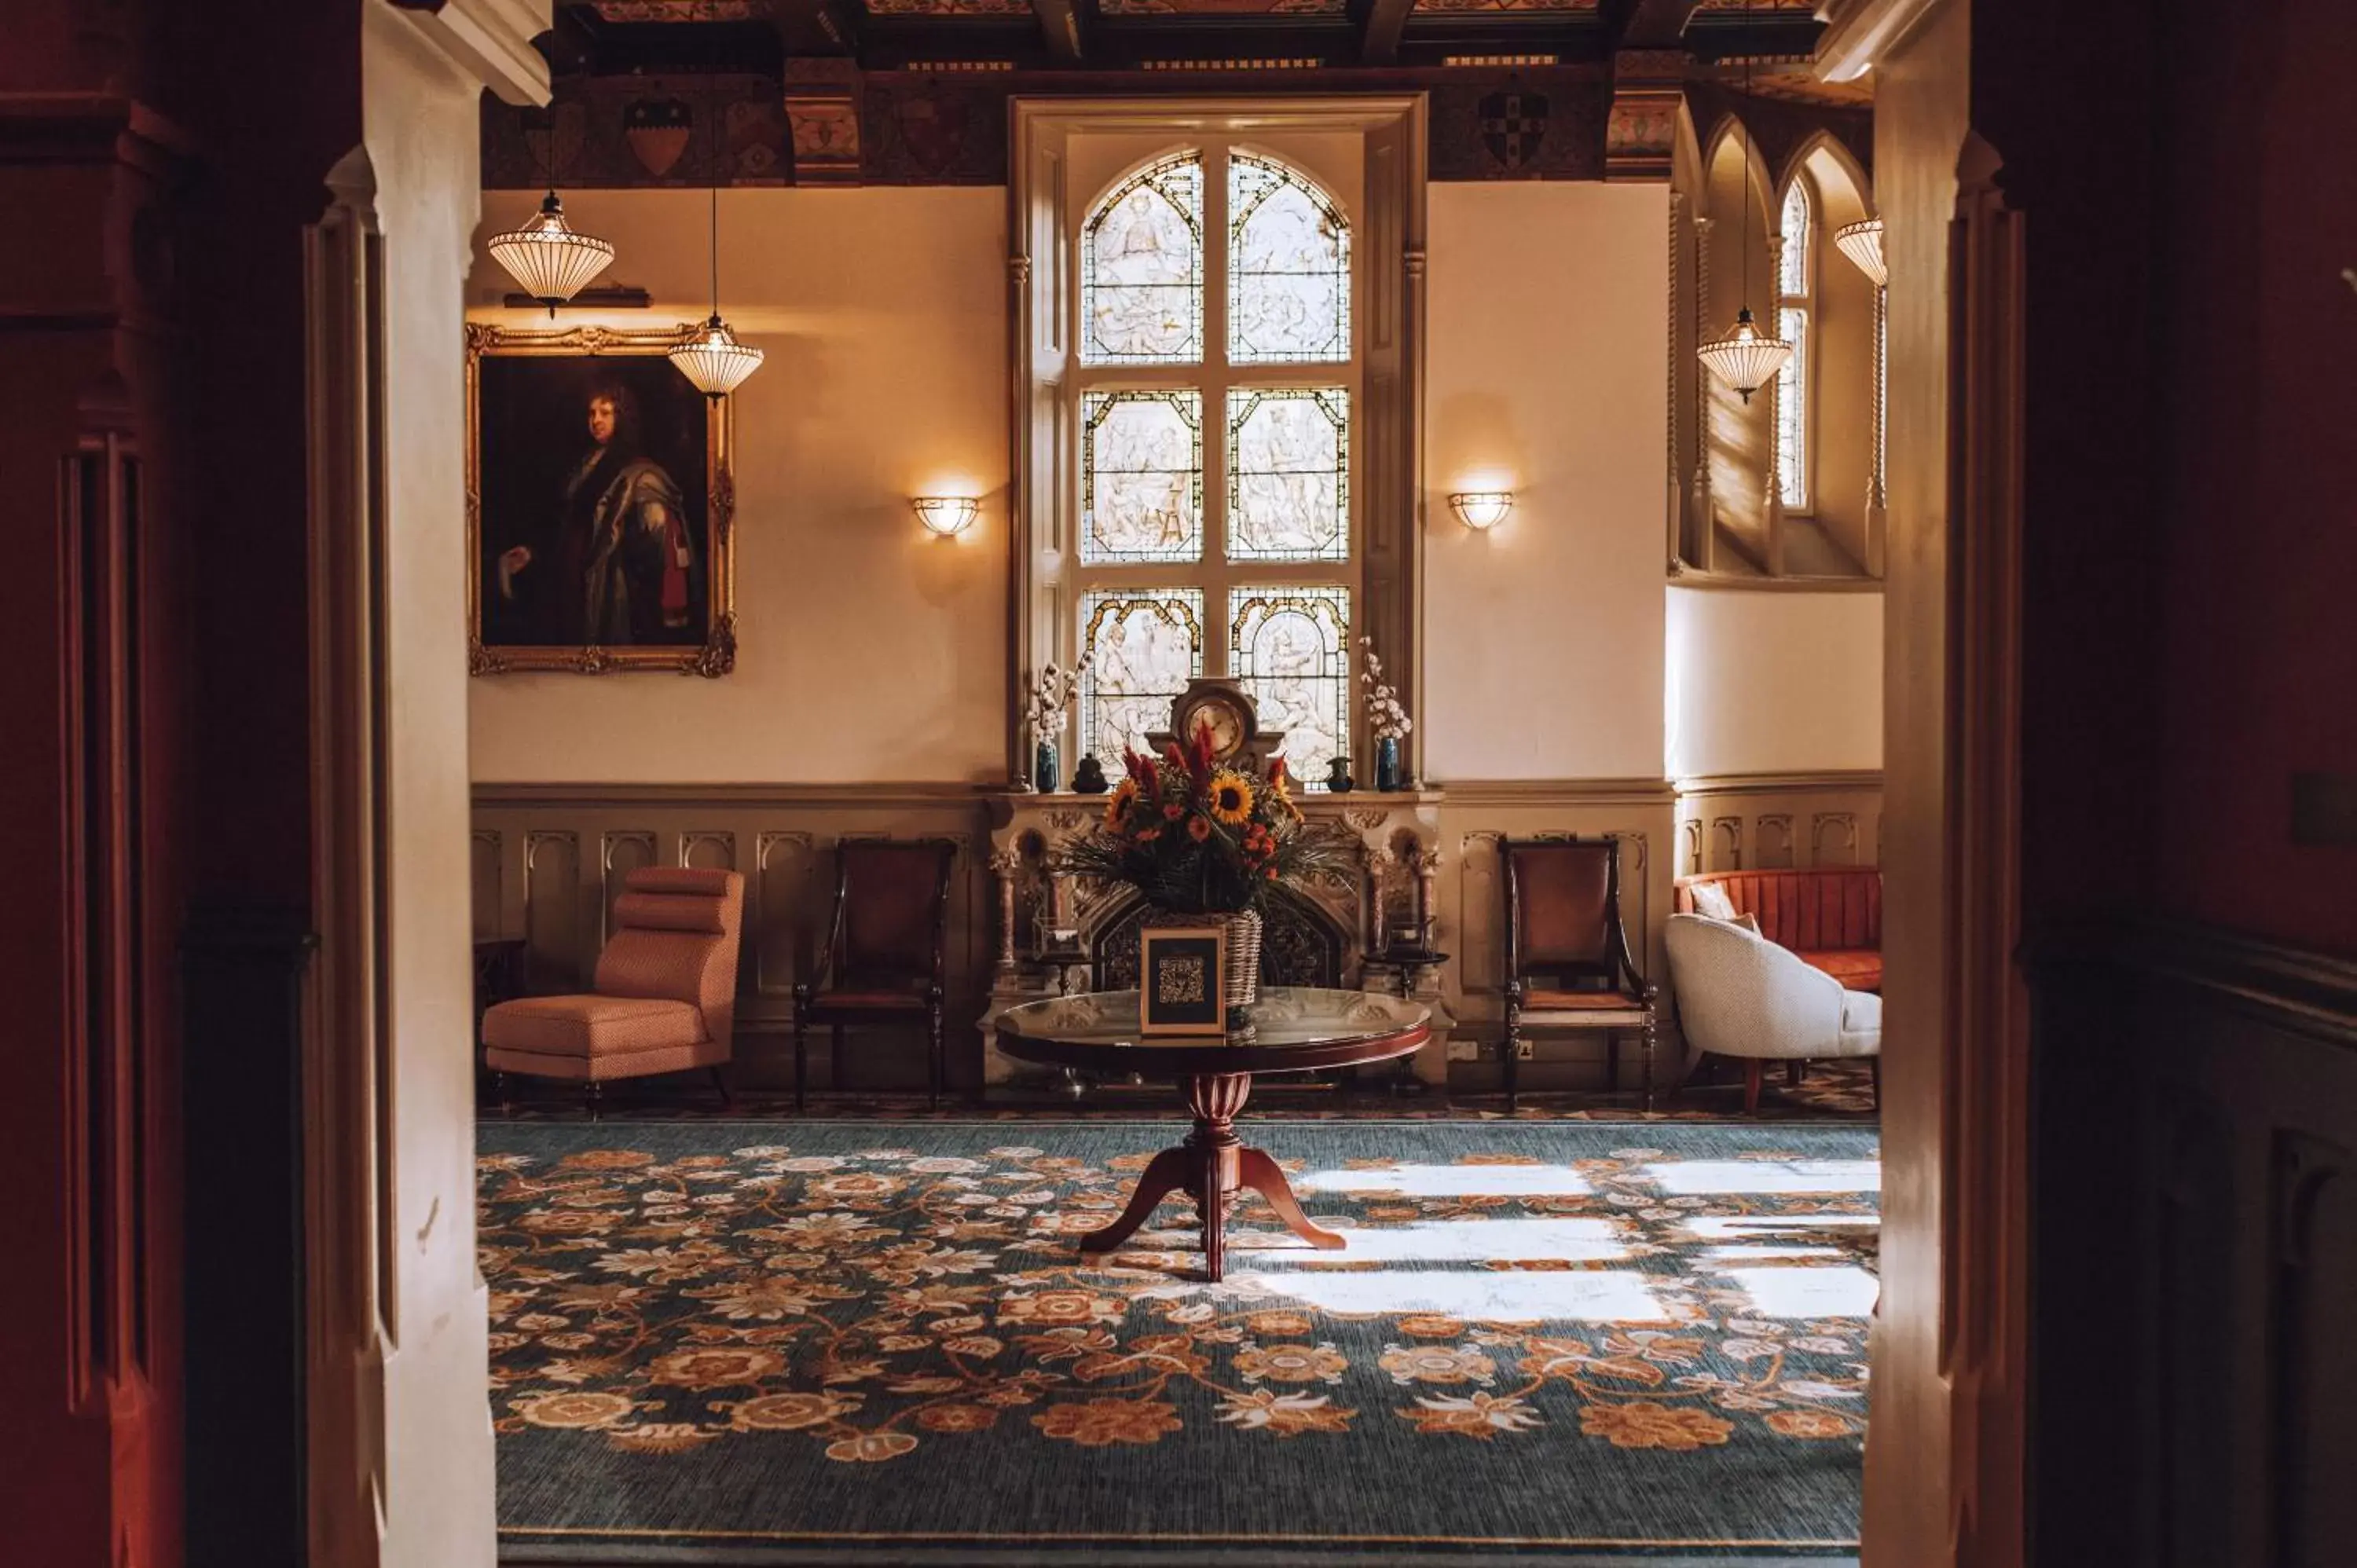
1792 267
1288 268
1142 268
1290 647
1794 271
1147 644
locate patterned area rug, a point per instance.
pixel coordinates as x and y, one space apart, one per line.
773 1342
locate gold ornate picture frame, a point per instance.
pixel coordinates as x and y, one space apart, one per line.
600 506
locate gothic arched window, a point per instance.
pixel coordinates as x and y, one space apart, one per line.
1216 525
1795 303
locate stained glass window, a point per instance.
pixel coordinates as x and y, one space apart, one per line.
1793 411
1148 643
1793 266
1291 647
1794 271
1141 476
1288 473
1142 268
1288 267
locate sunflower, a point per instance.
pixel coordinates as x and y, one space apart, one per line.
1231 797
1198 828
1125 795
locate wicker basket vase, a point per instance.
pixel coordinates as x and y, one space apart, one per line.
1239 958
1240 965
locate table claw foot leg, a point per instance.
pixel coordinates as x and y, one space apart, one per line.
1266 1178
1167 1173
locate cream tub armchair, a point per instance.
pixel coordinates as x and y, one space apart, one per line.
1743 996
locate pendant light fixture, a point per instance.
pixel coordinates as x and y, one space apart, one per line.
709 356
1744 359
547 258
1862 243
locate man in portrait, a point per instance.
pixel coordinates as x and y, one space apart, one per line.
612 558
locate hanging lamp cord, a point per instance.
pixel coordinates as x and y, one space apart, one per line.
715 139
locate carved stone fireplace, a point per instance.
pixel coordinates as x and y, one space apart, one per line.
1334 931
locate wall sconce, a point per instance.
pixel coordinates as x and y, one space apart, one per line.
1481 509
945 515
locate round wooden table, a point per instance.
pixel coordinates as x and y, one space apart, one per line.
1295 1029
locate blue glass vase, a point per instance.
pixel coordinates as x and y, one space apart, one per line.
1047 777
1388 776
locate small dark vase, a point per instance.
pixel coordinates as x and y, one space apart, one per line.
1337 775
1089 778
1047 773
1388 775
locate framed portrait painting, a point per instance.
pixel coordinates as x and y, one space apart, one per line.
598 506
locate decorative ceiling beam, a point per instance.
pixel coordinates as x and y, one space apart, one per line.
1654 24
1060 21
1379 32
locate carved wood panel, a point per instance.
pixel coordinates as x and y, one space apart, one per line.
784 879
619 853
487 890
551 883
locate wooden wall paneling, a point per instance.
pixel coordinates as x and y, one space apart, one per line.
2313 1373
778 913
1727 843
2188 1243
552 892
486 882
709 849
1690 848
1833 839
619 852
1772 842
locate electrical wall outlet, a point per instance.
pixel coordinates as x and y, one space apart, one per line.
1464 1050
1524 1051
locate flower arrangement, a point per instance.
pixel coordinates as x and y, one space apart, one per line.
1048 695
1197 837
1387 719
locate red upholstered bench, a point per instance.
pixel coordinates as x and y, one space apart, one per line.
1830 916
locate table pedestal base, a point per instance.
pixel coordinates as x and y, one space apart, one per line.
1209 1166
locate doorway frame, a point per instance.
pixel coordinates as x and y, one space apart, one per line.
1945 1455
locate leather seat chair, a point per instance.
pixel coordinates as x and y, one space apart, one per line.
1568 967
887 950
664 997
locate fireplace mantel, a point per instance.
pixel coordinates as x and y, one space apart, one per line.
1392 892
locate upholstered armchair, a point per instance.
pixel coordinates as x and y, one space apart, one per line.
887 950
1568 967
663 999
1743 996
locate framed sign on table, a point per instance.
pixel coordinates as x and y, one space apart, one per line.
599 506
1181 980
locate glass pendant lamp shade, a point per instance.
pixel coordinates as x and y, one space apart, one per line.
712 359
547 258
1862 243
1743 358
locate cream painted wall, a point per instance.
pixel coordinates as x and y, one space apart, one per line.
867 649
1773 682
421 123
1545 375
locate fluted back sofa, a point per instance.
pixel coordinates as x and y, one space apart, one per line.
1830 916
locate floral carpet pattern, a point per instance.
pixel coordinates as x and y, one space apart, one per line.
1638 1336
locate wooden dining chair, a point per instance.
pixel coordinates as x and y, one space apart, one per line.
1568 966
886 951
